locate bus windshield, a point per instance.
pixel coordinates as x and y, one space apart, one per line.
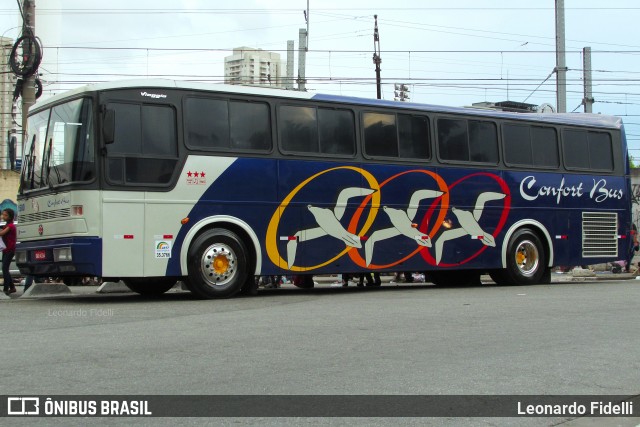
60 147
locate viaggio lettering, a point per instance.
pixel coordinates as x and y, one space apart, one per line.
153 95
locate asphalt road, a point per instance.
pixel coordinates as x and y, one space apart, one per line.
564 339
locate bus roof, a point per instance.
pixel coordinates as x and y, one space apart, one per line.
598 120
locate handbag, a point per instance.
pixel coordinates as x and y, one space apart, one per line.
2 245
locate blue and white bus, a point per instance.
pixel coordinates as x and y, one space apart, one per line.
157 181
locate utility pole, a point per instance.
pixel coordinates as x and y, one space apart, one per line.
587 75
28 86
561 64
303 47
376 56
289 79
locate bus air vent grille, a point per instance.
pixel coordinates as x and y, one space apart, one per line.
599 234
42 216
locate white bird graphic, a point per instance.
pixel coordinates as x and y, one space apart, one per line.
469 224
402 222
328 223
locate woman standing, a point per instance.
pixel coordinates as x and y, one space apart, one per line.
8 234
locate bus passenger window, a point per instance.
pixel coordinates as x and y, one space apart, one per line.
544 145
526 145
145 148
517 145
452 139
587 150
380 134
250 126
483 142
575 149
206 123
414 137
600 151
336 130
298 129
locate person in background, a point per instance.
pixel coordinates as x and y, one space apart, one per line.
634 248
8 234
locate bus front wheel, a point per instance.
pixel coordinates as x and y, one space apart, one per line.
150 286
526 261
217 264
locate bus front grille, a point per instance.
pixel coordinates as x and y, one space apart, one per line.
599 234
41 216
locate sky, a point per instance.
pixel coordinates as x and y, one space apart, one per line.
454 52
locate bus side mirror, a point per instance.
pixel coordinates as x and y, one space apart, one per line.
109 126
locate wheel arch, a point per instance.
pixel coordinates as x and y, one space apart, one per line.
537 228
239 227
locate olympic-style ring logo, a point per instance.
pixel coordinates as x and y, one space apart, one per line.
434 198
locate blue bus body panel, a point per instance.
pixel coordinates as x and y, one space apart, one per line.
86 254
319 217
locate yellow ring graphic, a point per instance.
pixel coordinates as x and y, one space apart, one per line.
272 230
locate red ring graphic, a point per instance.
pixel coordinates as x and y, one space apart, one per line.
503 219
442 200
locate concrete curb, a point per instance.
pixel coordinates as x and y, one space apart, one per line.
113 287
38 289
179 287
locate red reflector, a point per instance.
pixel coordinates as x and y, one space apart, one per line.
128 236
168 236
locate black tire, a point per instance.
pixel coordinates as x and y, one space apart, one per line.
217 263
526 261
454 278
150 286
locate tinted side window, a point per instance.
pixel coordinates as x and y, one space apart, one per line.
250 124
517 145
414 137
600 151
158 131
337 133
206 123
128 134
483 142
298 129
145 148
544 146
380 134
452 139
576 149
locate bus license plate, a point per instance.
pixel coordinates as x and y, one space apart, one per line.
40 255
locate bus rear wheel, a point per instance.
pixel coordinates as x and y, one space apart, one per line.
526 261
150 286
217 264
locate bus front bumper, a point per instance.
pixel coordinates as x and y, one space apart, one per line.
76 256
